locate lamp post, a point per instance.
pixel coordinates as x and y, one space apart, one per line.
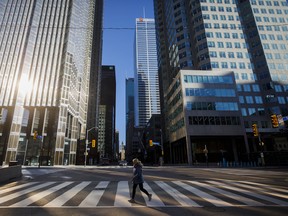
86 144
162 150
205 151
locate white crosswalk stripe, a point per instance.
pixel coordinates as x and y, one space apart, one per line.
93 198
181 198
266 191
165 194
122 195
59 201
26 191
250 193
206 196
156 201
242 199
16 187
38 196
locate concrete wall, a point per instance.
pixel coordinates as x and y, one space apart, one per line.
11 172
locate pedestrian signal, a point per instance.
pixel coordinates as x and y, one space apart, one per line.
274 121
93 143
255 130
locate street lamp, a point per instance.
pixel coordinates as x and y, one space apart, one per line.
162 150
86 144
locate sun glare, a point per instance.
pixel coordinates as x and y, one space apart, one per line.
25 86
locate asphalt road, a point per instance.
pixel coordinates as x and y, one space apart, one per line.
177 191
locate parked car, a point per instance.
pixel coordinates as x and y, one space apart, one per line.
123 163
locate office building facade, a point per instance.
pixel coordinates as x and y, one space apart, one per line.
147 99
45 71
201 44
129 94
107 129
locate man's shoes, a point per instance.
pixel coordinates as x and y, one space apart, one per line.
131 201
149 197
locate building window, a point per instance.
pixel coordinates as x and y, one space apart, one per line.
255 88
230 54
258 100
243 111
214 64
242 65
249 99
223 54
278 88
233 65
247 88
224 64
213 120
281 100
220 45
251 111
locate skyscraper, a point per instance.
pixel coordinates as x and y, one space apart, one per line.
107 148
147 100
45 56
211 54
129 93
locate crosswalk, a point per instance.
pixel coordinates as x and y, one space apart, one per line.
92 194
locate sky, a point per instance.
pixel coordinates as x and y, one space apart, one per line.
118 47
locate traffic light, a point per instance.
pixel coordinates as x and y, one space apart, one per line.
150 142
93 143
35 135
274 121
255 130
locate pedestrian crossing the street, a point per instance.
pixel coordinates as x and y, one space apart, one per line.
92 194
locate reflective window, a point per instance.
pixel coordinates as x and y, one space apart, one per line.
255 88
249 100
208 79
258 100
210 92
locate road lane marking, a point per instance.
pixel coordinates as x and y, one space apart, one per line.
122 195
156 201
237 197
17 187
94 196
214 200
244 192
264 190
179 197
26 191
264 186
62 199
40 195
250 193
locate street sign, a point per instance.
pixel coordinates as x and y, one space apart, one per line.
285 118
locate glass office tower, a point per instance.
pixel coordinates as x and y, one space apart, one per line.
107 129
199 44
147 101
45 54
